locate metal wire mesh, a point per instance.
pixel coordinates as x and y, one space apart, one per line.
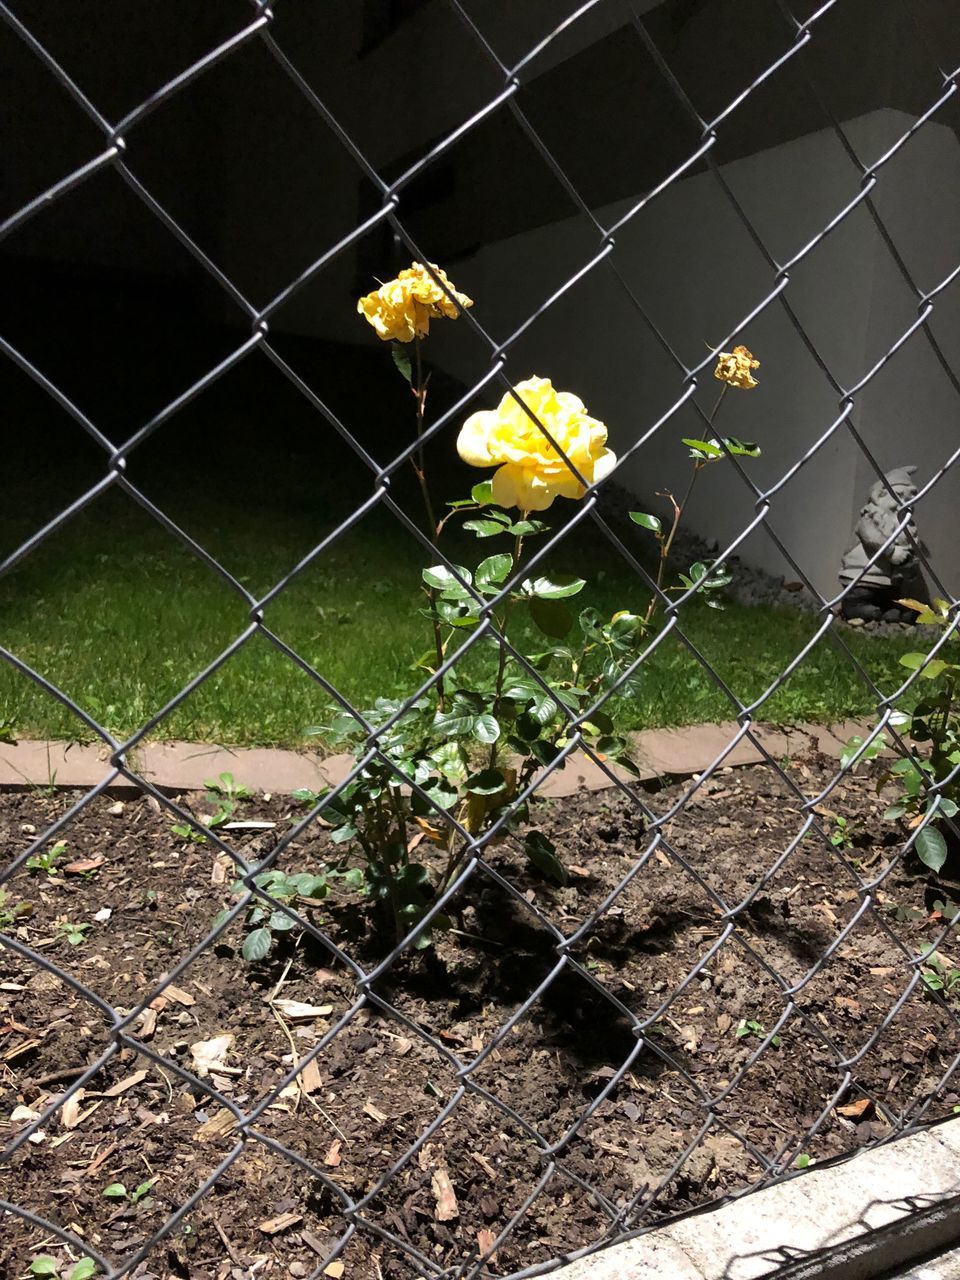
118 1034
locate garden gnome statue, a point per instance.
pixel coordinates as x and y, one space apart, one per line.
895 573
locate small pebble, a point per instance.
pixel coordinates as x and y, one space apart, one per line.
297 1269
116 810
29 829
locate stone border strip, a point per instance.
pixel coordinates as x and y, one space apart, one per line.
185 766
862 1218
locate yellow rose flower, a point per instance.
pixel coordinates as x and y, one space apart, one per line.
531 473
733 367
402 309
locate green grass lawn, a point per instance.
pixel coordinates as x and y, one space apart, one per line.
120 616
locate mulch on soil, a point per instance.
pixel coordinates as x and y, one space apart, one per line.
149 897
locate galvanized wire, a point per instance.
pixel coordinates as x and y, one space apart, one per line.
636 1215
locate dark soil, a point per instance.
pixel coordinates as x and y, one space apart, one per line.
678 1118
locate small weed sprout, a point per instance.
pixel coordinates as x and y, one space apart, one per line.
750 1027
75 934
938 975
226 786
139 1195
48 859
45 1265
10 911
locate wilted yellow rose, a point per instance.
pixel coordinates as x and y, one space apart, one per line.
531 473
402 309
733 367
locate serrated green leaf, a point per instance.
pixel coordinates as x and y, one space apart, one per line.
492 571
256 945
485 528
931 848
402 361
442 579
646 522
482 492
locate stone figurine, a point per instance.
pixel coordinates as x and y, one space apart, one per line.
896 573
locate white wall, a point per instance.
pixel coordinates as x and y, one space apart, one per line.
693 266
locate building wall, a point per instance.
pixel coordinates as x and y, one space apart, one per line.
693 267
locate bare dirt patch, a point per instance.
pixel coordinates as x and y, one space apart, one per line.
652 1145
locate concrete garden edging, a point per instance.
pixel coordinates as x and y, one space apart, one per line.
856 1220
185 766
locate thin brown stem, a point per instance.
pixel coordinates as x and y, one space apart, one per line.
502 623
678 510
433 528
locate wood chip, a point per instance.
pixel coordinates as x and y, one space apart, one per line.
310 1080
332 1158
123 1085
315 1243
146 1024
18 1050
70 1111
298 1011
282 1222
447 1207
485 1241
335 1270
178 994
216 1127
374 1112
101 1159
858 1110
484 1164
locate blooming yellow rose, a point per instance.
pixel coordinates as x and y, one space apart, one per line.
531 473
733 367
402 309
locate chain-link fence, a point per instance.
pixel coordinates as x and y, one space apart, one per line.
594 1165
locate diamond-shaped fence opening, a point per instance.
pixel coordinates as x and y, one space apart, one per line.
444 1014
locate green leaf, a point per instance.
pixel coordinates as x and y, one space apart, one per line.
741 448
912 661
542 854
115 1191
402 361
931 848
83 1270
934 668
485 528
703 448
486 729
893 812
488 782
551 616
482 493
803 1161
44 1265
492 571
556 587
256 945
441 578
646 522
